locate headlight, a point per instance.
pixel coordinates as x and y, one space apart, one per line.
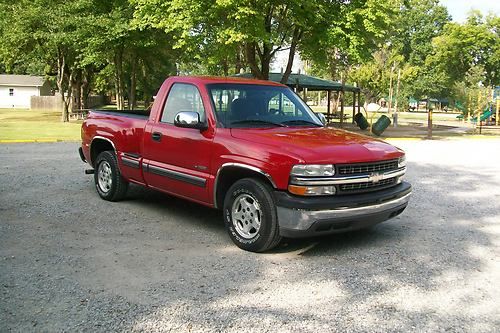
402 161
313 170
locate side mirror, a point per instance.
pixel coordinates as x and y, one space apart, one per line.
189 119
321 117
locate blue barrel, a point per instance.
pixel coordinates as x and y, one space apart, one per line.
382 123
361 121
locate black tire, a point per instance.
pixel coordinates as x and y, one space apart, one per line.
258 194
116 187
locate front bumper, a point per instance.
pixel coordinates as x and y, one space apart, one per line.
303 217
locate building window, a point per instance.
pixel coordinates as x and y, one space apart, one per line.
11 91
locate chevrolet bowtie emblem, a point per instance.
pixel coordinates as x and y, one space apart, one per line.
376 177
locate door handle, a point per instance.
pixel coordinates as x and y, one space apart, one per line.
156 136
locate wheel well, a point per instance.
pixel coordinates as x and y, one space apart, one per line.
98 146
229 175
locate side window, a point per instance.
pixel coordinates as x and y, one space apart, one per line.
182 97
11 91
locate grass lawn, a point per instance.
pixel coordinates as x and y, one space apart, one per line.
18 124
402 116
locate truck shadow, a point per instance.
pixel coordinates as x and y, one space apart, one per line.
190 212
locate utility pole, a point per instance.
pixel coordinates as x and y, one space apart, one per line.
469 108
390 88
493 98
395 115
498 107
429 119
478 119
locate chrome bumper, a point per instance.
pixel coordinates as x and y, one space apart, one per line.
301 222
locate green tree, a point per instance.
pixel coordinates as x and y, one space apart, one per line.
81 41
473 44
418 23
373 77
357 32
239 33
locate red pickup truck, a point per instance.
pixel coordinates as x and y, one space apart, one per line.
253 149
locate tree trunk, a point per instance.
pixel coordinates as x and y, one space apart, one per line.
61 86
297 34
68 100
265 61
132 100
119 86
250 49
76 86
336 102
85 88
238 63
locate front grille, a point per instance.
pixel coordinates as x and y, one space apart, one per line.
351 169
367 187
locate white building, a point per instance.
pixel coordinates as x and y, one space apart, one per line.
16 90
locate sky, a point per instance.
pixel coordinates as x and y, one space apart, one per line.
459 9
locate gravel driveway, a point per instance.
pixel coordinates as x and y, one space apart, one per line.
70 261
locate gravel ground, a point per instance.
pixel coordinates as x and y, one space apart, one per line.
70 261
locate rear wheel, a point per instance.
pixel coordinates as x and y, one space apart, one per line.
108 180
250 215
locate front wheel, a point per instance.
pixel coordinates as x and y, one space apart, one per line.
250 215
108 180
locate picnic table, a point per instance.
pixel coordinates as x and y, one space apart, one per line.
335 115
79 114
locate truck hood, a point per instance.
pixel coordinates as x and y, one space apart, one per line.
320 145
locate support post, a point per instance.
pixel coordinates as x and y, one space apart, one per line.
469 109
359 101
353 105
328 101
498 107
304 94
342 107
429 120
478 119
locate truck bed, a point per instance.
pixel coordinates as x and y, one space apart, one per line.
124 126
138 114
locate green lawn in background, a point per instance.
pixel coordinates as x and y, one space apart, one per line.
402 116
19 124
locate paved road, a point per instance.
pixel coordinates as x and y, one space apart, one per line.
72 262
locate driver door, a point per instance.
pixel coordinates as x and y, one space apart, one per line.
178 159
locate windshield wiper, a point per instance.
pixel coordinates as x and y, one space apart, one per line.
301 121
257 121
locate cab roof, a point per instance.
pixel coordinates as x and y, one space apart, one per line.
222 79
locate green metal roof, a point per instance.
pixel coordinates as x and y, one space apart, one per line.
306 81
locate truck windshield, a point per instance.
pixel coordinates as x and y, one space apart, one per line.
252 106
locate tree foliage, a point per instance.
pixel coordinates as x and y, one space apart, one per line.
76 42
127 47
474 44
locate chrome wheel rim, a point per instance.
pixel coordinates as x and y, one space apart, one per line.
246 216
105 178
